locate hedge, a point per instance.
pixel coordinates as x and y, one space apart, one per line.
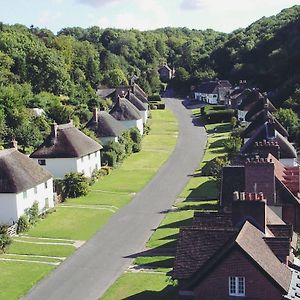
219 116
154 98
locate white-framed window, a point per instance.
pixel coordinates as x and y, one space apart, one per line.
236 286
35 189
82 159
46 184
25 195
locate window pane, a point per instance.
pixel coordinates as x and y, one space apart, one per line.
232 289
241 285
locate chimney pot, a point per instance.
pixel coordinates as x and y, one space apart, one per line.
95 114
14 144
54 128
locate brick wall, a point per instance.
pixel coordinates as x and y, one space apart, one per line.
257 286
259 177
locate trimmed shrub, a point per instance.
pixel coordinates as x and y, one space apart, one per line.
23 224
5 239
219 116
33 213
154 98
75 185
110 158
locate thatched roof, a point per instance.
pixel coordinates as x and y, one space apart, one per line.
124 110
105 125
136 102
19 173
66 141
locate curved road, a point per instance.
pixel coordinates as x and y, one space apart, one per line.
95 266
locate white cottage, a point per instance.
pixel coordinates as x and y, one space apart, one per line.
127 114
141 106
66 150
22 182
105 126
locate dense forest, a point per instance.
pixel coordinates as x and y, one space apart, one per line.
59 73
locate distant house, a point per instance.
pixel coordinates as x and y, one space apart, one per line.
22 182
105 126
262 118
122 91
248 254
271 132
245 101
233 95
141 106
166 73
67 149
129 116
213 92
105 93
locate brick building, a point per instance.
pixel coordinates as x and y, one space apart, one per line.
245 254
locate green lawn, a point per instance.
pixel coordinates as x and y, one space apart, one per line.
141 286
40 249
201 194
71 223
16 278
81 223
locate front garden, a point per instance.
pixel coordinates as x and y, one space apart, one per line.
34 254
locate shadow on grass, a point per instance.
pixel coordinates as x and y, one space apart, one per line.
177 224
164 263
168 293
167 249
217 144
220 129
205 191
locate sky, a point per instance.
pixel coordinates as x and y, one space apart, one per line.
220 15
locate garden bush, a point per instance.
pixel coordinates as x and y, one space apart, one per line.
75 185
33 213
23 224
155 98
109 158
219 116
5 239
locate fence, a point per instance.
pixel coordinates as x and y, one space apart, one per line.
12 230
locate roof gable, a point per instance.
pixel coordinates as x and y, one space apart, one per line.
124 110
19 173
66 141
106 125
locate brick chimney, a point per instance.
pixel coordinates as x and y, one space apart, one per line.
264 147
13 144
260 177
95 114
280 246
252 207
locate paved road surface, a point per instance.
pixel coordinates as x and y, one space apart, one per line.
88 273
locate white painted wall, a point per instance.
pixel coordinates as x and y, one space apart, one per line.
88 163
12 206
144 114
134 123
58 167
208 98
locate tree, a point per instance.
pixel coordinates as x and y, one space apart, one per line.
75 185
115 77
288 118
61 114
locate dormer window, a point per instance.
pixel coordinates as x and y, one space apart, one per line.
236 286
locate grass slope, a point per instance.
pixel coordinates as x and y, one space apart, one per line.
199 194
81 223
